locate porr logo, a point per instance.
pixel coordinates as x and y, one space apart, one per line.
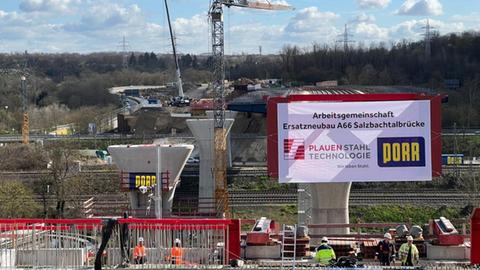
401 152
294 149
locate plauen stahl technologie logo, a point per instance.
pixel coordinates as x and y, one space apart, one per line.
294 149
401 152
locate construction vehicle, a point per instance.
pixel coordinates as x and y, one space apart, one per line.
180 100
218 48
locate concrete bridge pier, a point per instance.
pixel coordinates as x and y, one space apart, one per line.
202 130
329 206
143 160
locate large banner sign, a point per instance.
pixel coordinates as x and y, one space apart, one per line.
354 141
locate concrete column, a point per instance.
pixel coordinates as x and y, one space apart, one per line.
330 205
202 129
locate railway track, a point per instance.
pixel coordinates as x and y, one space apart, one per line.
192 171
357 198
116 204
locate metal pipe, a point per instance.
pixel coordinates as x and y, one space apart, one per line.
158 187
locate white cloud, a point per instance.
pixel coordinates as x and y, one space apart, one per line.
63 6
414 29
107 16
421 8
471 21
367 4
371 32
192 32
311 25
98 25
277 2
362 18
310 20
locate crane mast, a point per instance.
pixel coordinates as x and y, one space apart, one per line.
220 148
220 138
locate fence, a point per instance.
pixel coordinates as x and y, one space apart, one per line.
84 243
48 243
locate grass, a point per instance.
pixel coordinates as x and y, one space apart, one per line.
418 215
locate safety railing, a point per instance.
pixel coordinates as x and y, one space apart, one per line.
199 243
48 243
109 244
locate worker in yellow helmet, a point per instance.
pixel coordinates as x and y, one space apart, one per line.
409 253
324 254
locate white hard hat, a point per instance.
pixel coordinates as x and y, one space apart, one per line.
325 239
409 238
177 241
140 239
388 236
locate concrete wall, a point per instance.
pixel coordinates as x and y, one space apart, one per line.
458 253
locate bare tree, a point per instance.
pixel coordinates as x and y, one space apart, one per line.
62 170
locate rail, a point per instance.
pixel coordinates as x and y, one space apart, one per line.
191 206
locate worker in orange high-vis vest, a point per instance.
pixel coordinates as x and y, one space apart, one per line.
139 253
177 252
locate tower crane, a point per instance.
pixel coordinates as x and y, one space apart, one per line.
218 43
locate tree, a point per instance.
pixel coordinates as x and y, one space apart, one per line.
153 60
132 60
62 171
21 157
17 201
194 62
186 61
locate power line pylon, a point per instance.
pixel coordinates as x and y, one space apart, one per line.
428 40
125 47
345 39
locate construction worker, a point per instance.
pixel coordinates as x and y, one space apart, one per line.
409 253
139 253
386 250
177 252
324 254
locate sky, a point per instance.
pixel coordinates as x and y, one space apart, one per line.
85 26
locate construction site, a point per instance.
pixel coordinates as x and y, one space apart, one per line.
248 174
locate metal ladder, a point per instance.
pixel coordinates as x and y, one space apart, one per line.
289 233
